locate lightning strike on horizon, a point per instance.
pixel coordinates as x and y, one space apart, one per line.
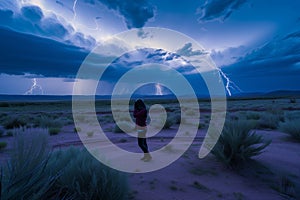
229 84
158 89
34 87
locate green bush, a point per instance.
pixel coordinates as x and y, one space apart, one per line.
3 145
291 127
84 177
269 120
54 130
47 122
24 177
14 122
33 172
252 115
238 143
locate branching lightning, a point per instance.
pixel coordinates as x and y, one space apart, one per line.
229 84
34 86
75 15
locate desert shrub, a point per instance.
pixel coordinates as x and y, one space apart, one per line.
125 125
291 115
169 122
4 104
124 117
286 187
10 133
238 143
3 145
190 112
175 117
201 125
84 177
47 122
25 177
293 100
54 130
33 172
252 115
269 120
90 133
1 132
77 129
14 122
291 127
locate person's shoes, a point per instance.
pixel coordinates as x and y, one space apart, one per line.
147 157
143 158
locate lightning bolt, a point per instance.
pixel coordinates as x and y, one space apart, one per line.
34 87
75 15
74 10
229 84
158 89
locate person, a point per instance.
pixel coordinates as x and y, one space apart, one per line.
140 115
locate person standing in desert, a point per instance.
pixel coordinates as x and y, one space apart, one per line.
140 115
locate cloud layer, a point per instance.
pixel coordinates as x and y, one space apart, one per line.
135 13
218 9
31 19
28 54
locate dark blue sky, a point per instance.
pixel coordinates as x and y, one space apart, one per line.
255 43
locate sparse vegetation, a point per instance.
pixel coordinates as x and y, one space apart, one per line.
25 177
90 133
77 129
1 132
250 115
200 186
35 173
291 127
238 143
169 122
126 126
293 100
83 177
2 145
14 122
285 186
10 133
269 120
54 130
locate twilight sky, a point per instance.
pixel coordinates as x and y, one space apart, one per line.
43 43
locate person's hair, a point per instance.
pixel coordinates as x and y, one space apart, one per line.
139 104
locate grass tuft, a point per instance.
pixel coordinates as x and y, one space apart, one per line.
291 127
3 145
238 143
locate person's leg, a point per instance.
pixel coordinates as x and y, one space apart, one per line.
142 142
143 145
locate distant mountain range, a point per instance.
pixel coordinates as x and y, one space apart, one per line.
272 94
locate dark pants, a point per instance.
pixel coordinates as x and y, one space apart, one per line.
142 142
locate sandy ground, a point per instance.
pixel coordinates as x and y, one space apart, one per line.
192 178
